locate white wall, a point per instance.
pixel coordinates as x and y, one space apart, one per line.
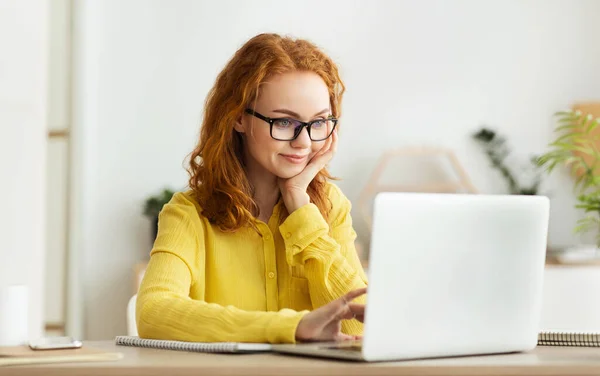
23 84
417 72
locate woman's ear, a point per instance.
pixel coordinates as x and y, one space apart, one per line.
239 126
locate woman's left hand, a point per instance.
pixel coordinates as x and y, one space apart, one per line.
293 190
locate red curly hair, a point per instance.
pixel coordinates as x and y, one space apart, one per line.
217 176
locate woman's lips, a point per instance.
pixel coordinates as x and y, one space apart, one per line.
292 158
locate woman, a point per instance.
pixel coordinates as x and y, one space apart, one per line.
261 249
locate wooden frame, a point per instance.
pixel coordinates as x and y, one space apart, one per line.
63 133
372 187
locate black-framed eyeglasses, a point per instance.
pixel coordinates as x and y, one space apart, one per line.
288 129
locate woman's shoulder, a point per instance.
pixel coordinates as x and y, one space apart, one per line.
185 198
184 202
339 213
336 195
340 204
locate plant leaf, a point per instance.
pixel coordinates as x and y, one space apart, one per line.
592 126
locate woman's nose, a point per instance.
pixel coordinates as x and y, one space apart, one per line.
303 140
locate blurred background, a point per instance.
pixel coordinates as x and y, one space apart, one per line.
101 101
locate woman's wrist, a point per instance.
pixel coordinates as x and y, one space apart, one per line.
295 201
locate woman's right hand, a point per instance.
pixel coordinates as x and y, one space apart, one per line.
325 323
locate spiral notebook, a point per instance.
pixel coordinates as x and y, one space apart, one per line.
555 338
205 347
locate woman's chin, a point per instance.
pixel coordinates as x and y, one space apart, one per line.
289 172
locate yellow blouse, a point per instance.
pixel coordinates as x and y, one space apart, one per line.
204 285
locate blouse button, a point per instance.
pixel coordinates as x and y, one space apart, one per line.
288 235
271 275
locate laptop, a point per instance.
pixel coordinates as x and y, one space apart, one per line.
449 275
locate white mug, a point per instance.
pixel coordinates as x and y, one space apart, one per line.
14 315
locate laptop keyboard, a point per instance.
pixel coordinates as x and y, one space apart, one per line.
345 347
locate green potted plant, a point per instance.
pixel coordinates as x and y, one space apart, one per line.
575 147
154 204
497 150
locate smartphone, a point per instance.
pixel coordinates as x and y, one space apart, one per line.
55 343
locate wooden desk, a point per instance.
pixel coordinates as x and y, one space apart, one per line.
149 362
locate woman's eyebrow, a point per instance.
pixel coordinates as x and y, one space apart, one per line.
292 113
